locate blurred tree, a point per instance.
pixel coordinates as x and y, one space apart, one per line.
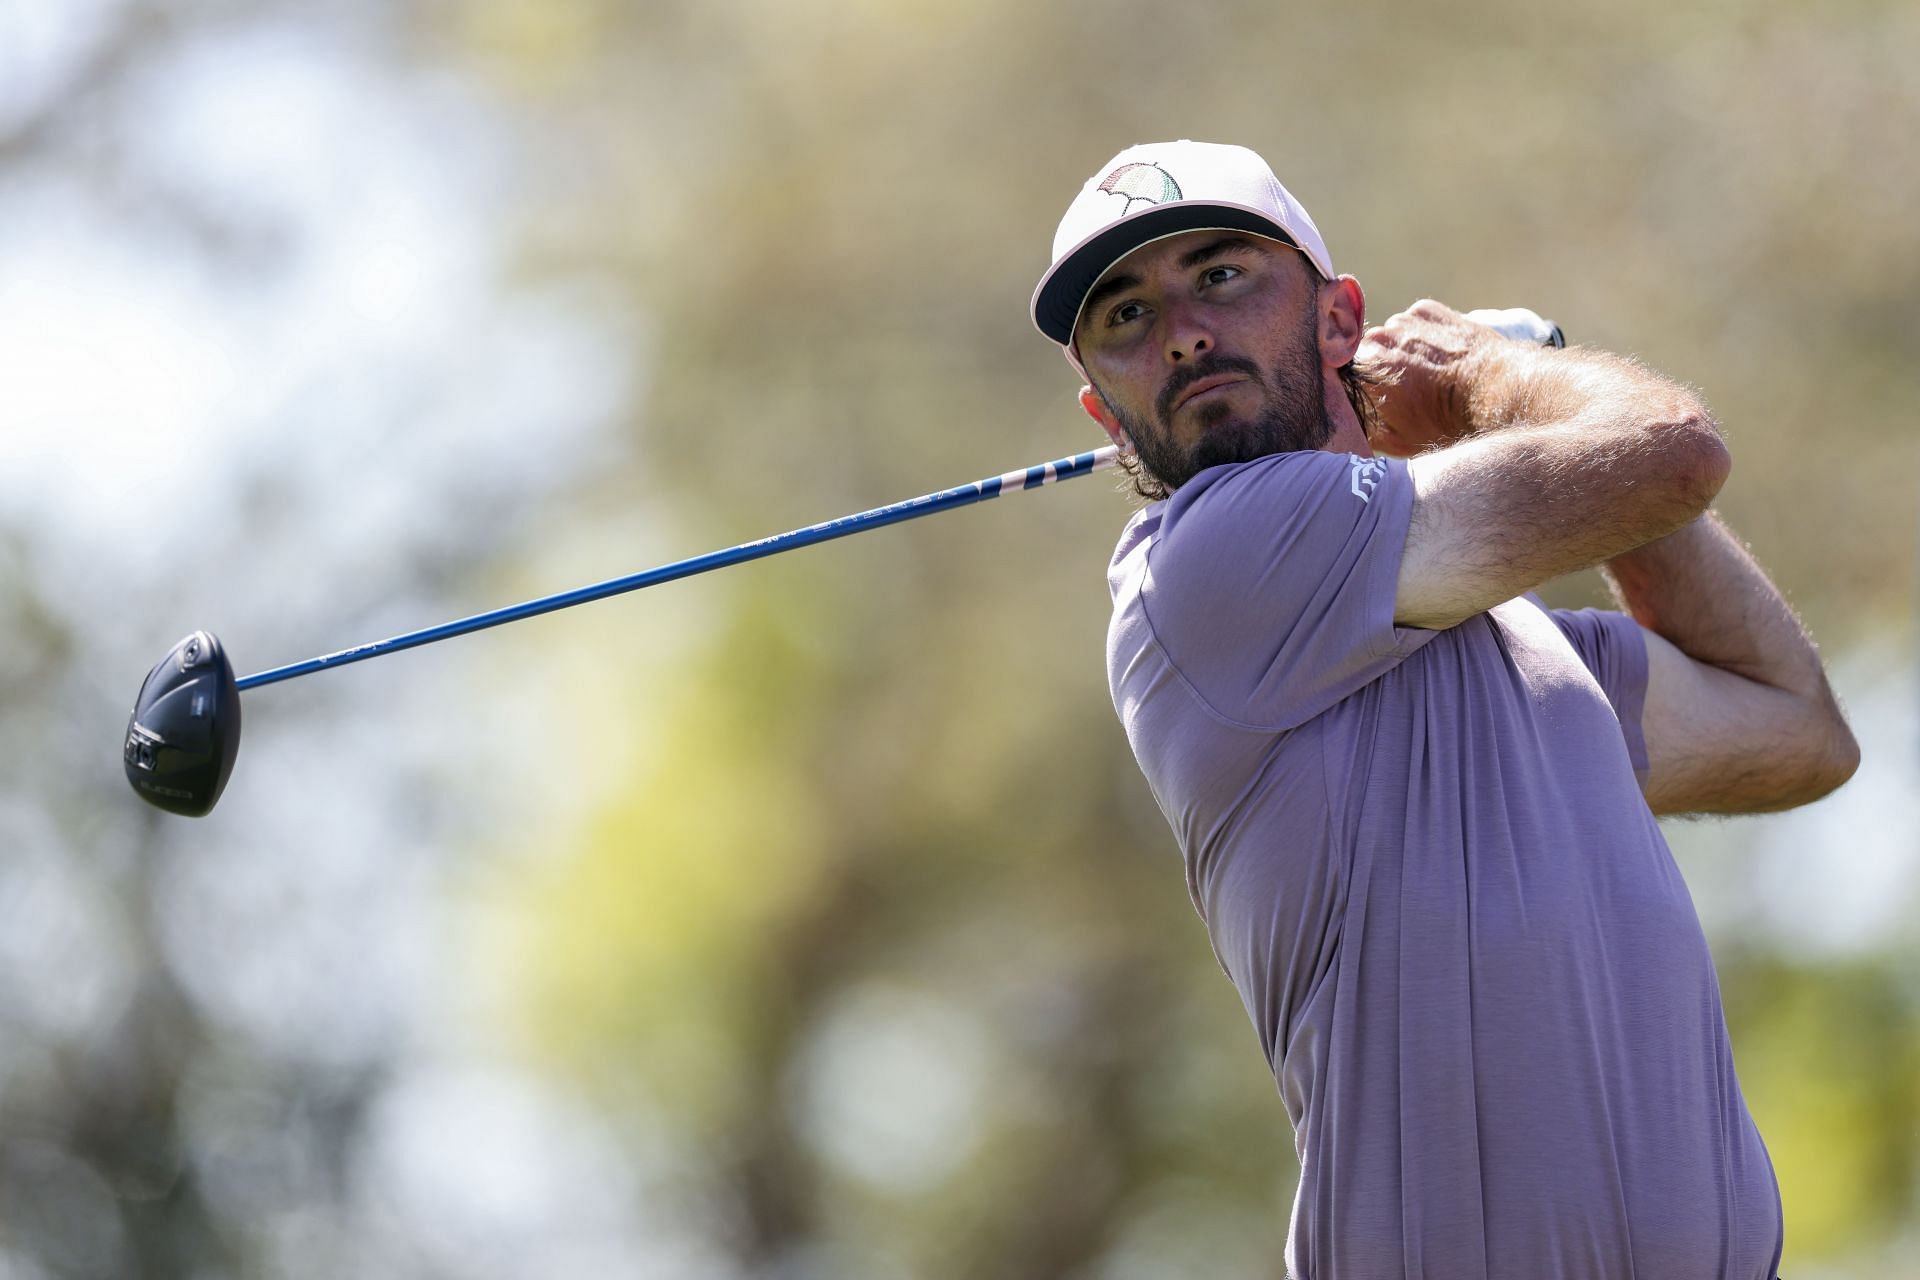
1829 1060
838 231
869 936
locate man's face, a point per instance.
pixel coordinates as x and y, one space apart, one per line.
1205 348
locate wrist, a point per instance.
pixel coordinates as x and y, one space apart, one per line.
1501 384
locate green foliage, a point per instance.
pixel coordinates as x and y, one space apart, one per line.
867 933
1829 1060
834 216
653 950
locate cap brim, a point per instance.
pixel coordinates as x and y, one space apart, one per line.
1056 303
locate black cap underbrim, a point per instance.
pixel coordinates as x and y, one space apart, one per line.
1056 303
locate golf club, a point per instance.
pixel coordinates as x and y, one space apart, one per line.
184 733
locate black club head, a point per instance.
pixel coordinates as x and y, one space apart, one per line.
185 729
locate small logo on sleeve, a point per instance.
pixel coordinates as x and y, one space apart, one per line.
1366 475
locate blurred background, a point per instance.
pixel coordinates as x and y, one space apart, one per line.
808 920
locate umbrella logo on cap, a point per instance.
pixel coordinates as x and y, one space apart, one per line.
1147 183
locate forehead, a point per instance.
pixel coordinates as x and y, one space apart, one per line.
1172 250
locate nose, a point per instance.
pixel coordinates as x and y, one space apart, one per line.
1187 335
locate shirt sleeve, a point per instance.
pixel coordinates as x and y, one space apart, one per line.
1615 651
1271 584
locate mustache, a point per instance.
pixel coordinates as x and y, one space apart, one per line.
1205 367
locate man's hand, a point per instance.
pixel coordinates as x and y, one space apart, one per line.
1431 358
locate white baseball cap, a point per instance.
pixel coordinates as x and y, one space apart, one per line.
1160 189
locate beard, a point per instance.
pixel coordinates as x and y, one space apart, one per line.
1293 416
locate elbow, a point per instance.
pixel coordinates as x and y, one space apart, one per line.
1832 758
1700 460
1842 758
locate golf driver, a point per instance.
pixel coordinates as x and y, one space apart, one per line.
184 733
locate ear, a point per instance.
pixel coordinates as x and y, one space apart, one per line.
1096 406
1343 320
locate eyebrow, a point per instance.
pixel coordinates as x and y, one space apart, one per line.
1115 285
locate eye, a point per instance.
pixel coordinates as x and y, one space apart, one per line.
1125 313
1218 275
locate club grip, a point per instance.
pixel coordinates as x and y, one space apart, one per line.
1520 323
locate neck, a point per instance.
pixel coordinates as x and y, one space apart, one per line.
1348 436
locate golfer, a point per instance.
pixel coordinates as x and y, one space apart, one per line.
1416 807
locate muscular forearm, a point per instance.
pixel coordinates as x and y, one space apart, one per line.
1449 381
1739 717
1700 589
1520 385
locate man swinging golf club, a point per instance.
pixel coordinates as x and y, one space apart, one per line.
1417 808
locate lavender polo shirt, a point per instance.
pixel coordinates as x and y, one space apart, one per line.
1424 859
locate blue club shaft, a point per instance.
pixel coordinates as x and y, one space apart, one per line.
912 509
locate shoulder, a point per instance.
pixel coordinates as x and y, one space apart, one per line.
1310 477
1269 585
1233 528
